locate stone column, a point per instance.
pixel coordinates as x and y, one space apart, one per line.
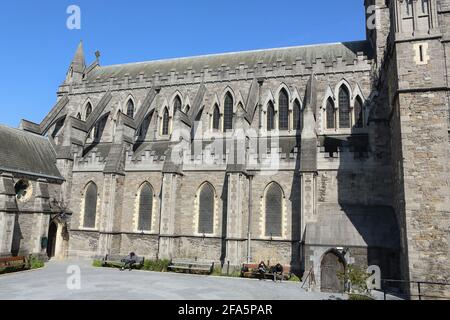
41 218
236 222
170 186
107 214
308 199
7 214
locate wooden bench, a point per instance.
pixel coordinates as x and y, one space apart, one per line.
118 261
191 266
250 270
13 262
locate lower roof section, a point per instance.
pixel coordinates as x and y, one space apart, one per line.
354 226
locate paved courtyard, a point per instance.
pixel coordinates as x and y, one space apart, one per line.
50 283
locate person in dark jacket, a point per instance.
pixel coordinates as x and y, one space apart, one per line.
278 272
262 268
130 261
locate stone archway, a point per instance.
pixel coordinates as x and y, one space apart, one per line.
58 239
52 238
332 264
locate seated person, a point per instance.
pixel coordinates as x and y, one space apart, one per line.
262 268
277 271
129 261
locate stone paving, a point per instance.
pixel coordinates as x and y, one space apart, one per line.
50 283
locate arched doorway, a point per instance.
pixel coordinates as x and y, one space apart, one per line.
51 244
332 265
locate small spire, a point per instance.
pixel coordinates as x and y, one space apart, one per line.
77 66
78 62
309 125
311 93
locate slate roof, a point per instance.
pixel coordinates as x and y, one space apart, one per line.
307 54
27 153
360 226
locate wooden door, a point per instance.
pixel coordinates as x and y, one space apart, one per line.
331 266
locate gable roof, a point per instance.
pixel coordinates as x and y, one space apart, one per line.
307 54
359 226
27 153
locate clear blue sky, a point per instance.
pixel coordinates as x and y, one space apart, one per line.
37 47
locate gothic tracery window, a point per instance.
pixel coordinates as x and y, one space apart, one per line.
216 118
165 122
270 116
177 103
297 115
344 107
88 110
274 208
206 209
283 112
90 206
330 114
228 112
130 108
145 208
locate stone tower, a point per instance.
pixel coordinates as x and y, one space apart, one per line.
413 72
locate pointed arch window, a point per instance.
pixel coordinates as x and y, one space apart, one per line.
206 209
283 112
90 206
228 112
216 118
177 103
297 114
331 114
88 110
425 9
270 116
408 8
145 208
274 208
344 107
358 110
79 116
100 127
130 108
187 109
165 122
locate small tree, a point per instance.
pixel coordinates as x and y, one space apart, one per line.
355 279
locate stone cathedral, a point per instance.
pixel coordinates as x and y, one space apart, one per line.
317 157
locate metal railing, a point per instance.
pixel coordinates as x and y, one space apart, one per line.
420 287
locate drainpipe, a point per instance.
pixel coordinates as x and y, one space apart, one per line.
160 214
250 208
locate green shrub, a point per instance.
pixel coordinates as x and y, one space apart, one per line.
233 273
36 262
359 297
295 278
156 265
217 271
357 278
97 263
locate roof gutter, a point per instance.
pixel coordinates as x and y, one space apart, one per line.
33 174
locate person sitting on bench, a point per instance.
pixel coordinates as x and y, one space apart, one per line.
262 268
277 271
130 261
